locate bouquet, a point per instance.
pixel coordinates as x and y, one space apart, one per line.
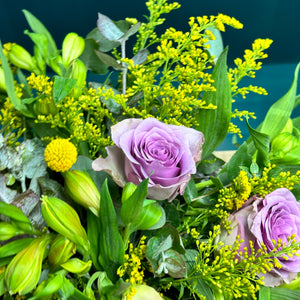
111 186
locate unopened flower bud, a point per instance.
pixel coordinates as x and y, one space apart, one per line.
77 266
282 148
21 58
2 80
145 292
78 72
61 250
23 272
82 189
48 287
8 231
128 190
45 107
63 218
72 47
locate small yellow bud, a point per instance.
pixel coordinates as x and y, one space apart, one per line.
63 218
72 48
82 189
23 272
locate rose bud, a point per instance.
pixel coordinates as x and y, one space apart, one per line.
63 218
165 153
145 292
21 58
61 250
82 189
23 272
77 266
72 47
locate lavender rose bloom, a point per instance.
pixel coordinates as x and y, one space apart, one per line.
166 153
261 220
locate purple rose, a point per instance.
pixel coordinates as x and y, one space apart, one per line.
166 153
261 220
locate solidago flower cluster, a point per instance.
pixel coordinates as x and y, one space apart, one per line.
245 185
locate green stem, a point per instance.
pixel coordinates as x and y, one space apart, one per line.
126 235
204 184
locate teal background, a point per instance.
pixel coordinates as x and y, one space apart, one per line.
275 19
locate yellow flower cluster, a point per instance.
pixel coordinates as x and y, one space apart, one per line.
41 83
132 267
60 155
11 120
267 183
233 197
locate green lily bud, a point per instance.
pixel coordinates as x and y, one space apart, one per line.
7 231
44 107
61 250
2 80
78 72
77 266
63 218
72 47
282 148
82 189
146 292
56 65
21 58
128 190
23 272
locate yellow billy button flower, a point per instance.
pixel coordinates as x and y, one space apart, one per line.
63 218
60 155
82 189
23 272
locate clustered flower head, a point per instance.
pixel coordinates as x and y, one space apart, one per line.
60 155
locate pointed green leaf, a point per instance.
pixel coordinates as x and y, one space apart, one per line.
62 87
14 247
214 123
111 245
37 27
279 113
132 207
261 142
109 60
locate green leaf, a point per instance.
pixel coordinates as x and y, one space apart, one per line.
133 206
280 111
213 123
216 45
37 27
131 31
62 86
190 191
283 294
93 234
102 44
261 142
152 217
14 213
109 60
264 293
14 247
241 158
10 87
111 245
108 28
91 60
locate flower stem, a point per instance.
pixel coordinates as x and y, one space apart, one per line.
204 184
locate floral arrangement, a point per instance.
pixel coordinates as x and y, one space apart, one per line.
112 189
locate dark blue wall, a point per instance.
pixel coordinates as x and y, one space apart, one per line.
276 19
